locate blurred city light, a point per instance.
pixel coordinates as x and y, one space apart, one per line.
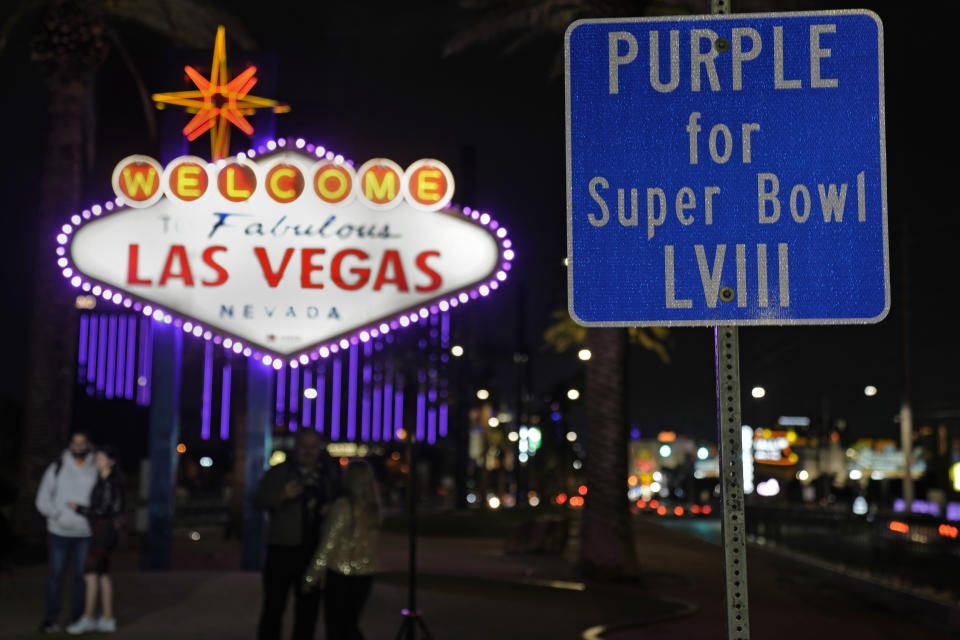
860 506
206 462
482 394
899 527
576 501
678 511
472 498
493 421
181 448
573 394
493 502
582 489
746 443
513 436
803 475
456 350
561 498
277 457
310 393
194 535
577 464
571 436
855 474
758 392
703 453
768 488
584 354
655 487
869 390
665 451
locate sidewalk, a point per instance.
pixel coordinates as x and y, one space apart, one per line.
471 590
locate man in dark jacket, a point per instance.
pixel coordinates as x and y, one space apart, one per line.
295 495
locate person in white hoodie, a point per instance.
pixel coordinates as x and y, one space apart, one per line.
69 479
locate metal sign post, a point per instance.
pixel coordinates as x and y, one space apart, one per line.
729 420
727 170
733 531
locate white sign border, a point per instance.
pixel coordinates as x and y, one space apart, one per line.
393 321
715 322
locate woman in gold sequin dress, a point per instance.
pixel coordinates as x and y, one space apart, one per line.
345 561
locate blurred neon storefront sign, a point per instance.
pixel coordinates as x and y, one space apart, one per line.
773 447
285 252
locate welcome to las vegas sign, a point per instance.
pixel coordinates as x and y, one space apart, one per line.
285 252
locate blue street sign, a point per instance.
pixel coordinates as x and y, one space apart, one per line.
727 170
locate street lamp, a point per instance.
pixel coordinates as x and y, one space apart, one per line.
573 394
456 350
869 391
482 394
584 354
758 392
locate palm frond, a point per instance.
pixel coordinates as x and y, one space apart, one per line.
188 23
20 10
520 21
564 334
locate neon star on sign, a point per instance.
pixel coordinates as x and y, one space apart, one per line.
219 102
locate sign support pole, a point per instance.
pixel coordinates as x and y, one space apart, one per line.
258 435
729 426
164 435
733 529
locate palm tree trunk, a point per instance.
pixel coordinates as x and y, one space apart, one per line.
50 380
606 543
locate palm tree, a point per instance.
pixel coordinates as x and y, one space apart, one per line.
606 543
72 39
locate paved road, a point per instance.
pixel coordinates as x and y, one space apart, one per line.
472 590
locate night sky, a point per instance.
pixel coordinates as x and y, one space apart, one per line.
370 79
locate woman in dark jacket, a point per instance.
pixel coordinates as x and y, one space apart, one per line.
106 503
